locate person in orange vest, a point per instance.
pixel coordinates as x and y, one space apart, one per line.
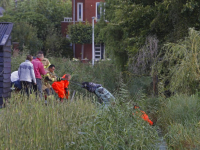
144 116
61 87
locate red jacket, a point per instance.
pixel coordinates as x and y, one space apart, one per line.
144 116
38 68
60 88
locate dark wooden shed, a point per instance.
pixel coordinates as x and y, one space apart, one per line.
5 60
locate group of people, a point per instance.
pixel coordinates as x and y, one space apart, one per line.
35 75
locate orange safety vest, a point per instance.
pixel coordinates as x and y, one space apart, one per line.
145 117
60 86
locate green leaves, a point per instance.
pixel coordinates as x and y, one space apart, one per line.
80 33
180 64
42 18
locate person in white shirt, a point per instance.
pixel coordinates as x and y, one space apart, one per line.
15 80
26 74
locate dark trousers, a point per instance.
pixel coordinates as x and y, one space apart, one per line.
26 87
17 84
38 88
49 91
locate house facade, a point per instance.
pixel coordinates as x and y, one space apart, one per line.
83 11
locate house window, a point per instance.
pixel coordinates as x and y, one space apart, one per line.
99 10
99 51
79 11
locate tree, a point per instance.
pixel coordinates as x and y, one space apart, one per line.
180 63
26 35
43 16
127 29
80 34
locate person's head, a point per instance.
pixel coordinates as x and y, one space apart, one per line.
68 77
51 68
40 56
29 57
40 52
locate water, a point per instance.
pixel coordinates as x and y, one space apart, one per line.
162 145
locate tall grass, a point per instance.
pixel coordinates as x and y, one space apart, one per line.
81 124
179 118
29 124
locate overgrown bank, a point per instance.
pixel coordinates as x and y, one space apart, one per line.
81 124
180 121
178 116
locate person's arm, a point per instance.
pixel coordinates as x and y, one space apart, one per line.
49 78
33 74
41 69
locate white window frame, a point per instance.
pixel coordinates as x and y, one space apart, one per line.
97 10
78 12
101 11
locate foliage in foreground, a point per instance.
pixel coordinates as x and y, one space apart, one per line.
29 124
179 118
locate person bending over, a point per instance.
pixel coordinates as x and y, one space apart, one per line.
102 93
61 87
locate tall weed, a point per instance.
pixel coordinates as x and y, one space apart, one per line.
179 119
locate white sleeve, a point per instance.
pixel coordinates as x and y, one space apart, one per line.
33 74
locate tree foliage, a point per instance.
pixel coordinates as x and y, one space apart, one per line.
132 21
80 33
45 17
180 64
26 36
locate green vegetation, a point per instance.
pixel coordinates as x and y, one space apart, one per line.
180 64
150 48
81 124
29 124
179 118
38 25
132 21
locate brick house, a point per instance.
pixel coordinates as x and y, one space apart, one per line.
84 10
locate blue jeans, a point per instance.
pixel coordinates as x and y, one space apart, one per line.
38 88
17 84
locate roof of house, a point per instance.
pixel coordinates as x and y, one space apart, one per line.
5 31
